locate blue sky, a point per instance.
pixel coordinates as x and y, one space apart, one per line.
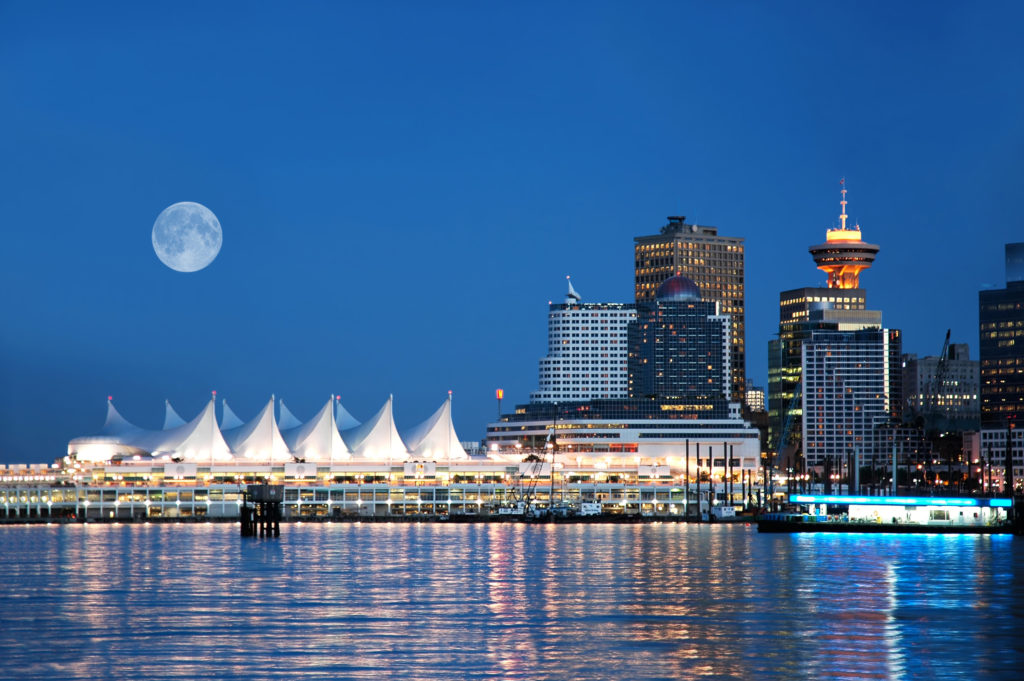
404 186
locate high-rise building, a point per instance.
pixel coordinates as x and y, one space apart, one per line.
851 385
943 390
714 263
839 307
587 351
679 347
1001 331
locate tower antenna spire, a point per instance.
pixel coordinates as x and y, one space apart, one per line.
842 203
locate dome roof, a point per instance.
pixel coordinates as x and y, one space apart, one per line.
678 288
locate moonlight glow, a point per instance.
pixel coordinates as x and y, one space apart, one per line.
187 236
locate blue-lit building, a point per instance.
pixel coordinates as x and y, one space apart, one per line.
679 347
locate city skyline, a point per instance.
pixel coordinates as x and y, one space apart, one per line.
402 192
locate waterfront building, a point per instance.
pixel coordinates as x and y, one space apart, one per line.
850 387
587 351
944 389
268 441
714 263
679 346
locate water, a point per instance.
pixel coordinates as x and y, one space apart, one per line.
506 601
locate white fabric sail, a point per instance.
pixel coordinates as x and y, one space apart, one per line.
377 438
171 418
286 420
318 439
116 424
344 419
199 440
435 438
228 419
259 439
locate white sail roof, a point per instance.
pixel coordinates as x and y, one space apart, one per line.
377 438
171 418
435 438
259 439
199 440
228 419
286 420
318 439
344 419
116 424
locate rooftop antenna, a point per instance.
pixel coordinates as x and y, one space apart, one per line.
842 216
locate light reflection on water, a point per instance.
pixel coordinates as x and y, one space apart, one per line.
506 601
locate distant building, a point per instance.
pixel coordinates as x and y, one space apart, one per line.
587 351
754 397
714 263
946 391
679 347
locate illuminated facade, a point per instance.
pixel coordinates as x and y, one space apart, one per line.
844 255
715 263
801 313
851 386
587 351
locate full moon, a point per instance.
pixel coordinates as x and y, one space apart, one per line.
187 236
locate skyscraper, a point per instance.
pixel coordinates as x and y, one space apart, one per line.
839 307
679 347
1001 331
851 385
586 351
714 263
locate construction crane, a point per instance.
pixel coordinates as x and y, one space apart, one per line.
928 404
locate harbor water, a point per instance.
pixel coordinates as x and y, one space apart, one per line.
506 601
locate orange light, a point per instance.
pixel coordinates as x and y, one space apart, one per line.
500 393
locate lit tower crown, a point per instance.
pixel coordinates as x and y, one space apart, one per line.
843 255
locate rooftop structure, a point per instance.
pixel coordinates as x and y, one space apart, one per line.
844 255
269 441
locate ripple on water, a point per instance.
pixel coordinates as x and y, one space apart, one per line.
505 601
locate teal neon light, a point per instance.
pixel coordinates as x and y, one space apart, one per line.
1001 503
890 501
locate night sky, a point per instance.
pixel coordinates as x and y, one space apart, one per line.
404 186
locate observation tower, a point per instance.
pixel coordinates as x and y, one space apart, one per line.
844 254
